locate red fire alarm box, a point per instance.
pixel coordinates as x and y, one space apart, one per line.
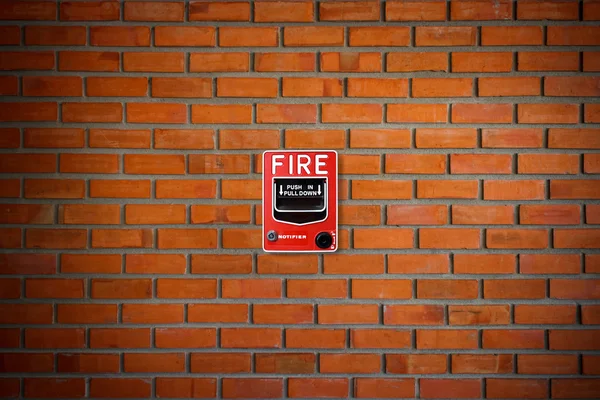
300 197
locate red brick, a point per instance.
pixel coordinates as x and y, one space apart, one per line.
247 87
119 338
574 189
572 86
511 35
54 189
153 62
415 163
119 188
10 35
521 86
186 387
417 215
92 112
591 163
547 10
219 62
26 313
31 10
56 238
447 339
380 138
415 61
241 189
582 289
251 288
54 387
415 10
230 363
417 113
10 188
371 87
482 215
250 338
459 189
88 363
10 138
281 11
221 114
310 139
379 36
89 163
54 288
479 315
482 113
184 139
379 338
226 313
381 289
350 363
513 339
119 35
315 338
591 61
287 264
445 36
447 289
348 314
296 36
121 288
413 314
349 11
119 138
416 363
162 362
550 214
381 189
88 61
550 364
186 288
86 263
9 85
284 62
548 61
516 238
418 263
549 264
248 37
482 363
116 87
318 387
350 62
172 164
154 11
184 36
533 314
282 314
187 238
158 113
477 10
219 11
354 113
206 214
87 313
514 289
48 338
482 62
514 190
15 60
120 388
442 87
54 36
214 164
285 363
444 238
28 163
89 10
511 138
563 339
155 263
484 264
480 164
516 388
34 112
10 289
312 288
286 113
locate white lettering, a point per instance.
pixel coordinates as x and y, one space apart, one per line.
320 164
304 165
277 163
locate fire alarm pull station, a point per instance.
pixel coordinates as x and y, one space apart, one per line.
300 196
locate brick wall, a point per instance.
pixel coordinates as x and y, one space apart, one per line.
468 134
